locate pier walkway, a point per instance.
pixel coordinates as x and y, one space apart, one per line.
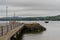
12 33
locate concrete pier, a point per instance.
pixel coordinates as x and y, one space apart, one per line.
13 34
21 28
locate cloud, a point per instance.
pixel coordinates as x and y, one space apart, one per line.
30 7
29 2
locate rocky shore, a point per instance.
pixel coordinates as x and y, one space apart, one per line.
33 28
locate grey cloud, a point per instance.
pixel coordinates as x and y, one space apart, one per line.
32 5
46 4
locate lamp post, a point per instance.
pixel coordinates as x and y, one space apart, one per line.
6 14
6 9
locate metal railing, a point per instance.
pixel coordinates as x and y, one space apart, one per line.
7 28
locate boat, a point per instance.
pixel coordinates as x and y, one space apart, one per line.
46 22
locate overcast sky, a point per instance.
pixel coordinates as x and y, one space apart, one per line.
30 7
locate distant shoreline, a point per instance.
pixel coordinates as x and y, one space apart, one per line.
49 18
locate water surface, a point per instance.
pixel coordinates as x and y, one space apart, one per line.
52 32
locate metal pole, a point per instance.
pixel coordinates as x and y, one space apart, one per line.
14 20
14 14
6 11
6 15
6 8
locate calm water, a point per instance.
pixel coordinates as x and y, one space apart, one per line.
52 32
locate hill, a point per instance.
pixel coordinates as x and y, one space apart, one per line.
51 18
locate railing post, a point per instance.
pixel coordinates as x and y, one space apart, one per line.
11 27
7 28
1 30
